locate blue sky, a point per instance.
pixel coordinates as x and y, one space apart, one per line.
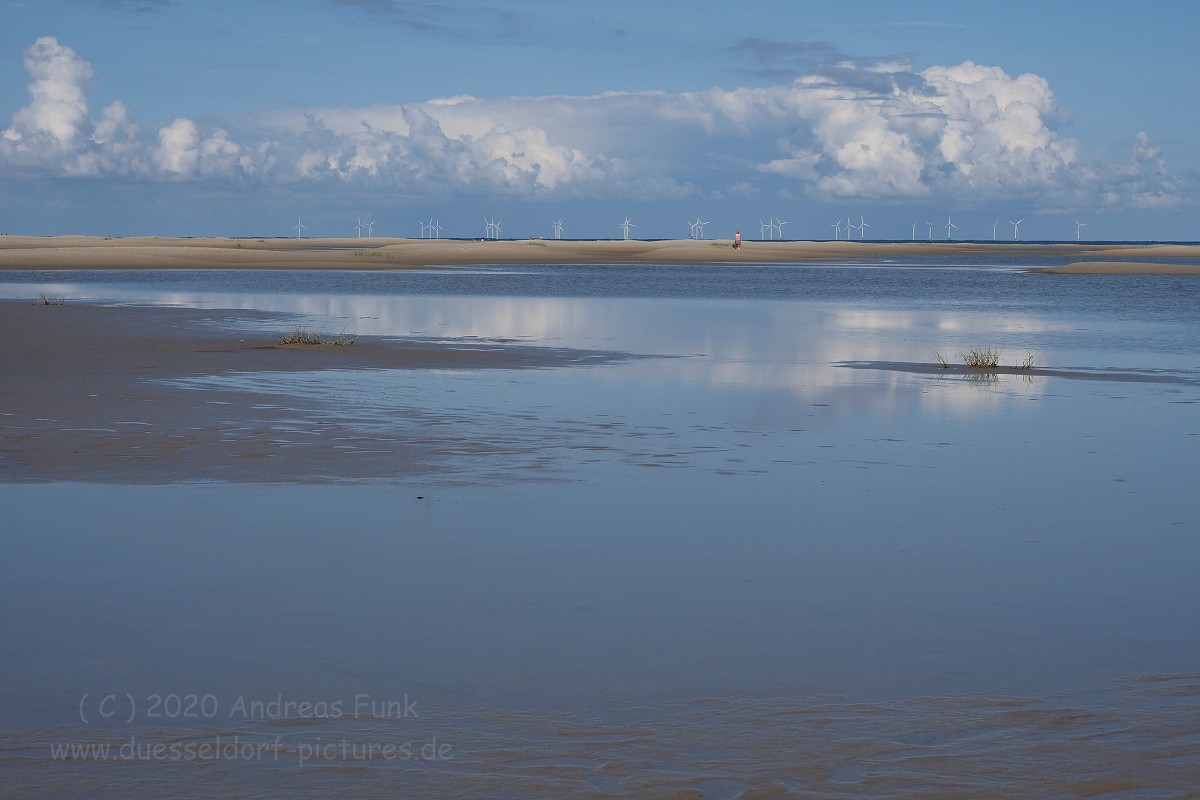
125 117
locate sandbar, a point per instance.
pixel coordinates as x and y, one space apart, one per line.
94 393
1121 268
91 252
1030 372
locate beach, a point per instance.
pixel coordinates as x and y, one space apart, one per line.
84 252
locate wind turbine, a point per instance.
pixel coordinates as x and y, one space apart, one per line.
694 226
700 224
994 224
1078 227
1016 225
424 226
558 228
625 226
778 225
370 228
949 226
837 229
930 224
849 227
914 231
762 229
359 227
862 228
299 227
436 228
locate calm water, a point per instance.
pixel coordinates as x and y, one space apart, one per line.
745 516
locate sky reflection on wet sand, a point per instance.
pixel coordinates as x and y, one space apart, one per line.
742 517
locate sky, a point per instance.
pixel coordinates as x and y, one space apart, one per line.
193 118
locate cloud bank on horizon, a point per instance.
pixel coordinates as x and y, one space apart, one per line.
850 129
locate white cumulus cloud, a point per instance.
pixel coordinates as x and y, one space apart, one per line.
54 131
845 130
183 153
58 107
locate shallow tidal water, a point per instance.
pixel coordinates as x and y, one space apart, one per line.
775 550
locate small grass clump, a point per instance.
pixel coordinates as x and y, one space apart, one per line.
300 335
981 358
47 300
984 358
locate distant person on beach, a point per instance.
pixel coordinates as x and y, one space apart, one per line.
737 240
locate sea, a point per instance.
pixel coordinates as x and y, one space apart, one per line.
771 546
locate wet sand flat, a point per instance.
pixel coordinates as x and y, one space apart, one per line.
1122 268
92 393
1141 744
84 252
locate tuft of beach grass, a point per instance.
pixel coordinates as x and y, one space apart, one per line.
981 358
985 358
47 300
300 335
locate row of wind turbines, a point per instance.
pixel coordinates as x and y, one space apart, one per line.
1017 228
767 231
773 228
361 226
433 229
950 227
